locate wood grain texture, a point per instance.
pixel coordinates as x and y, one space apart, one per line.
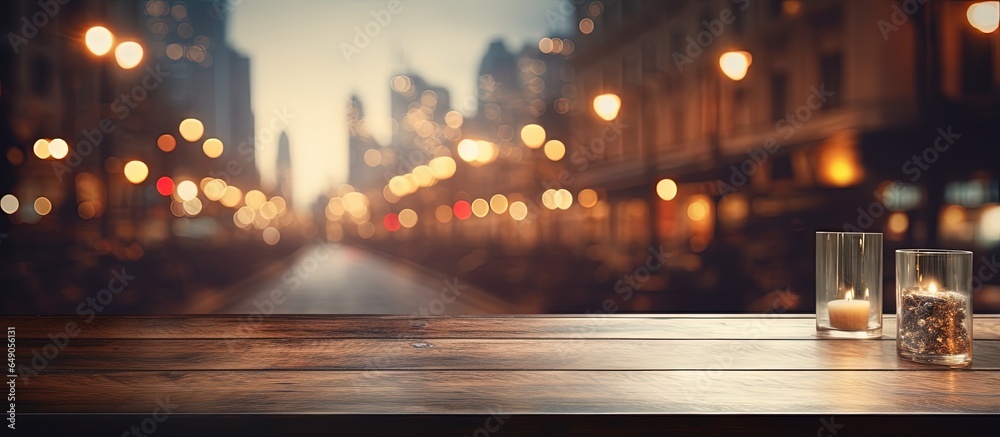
771 326
518 392
486 354
534 365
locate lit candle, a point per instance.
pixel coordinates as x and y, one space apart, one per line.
849 314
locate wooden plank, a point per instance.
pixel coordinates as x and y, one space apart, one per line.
507 392
484 354
406 327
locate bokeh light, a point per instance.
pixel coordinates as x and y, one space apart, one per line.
424 175
373 158
467 150
166 142
698 209
41 149
463 210
533 136
984 16
549 198
563 199
191 129
271 235
165 186
99 40
443 213
244 216
555 150
480 207
518 210
587 198
735 64
607 106
58 148
215 189
136 171
666 189
268 210
213 148
128 54
442 167
231 197
254 199
9 203
391 222
408 218
43 206
187 190
192 206
454 119
898 222
586 26
498 203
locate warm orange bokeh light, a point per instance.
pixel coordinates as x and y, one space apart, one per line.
984 16
607 106
166 142
128 54
99 40
735 64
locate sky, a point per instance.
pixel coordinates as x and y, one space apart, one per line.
307 60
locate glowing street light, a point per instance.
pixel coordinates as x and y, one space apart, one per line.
984 16
136 171
607 106
191 129
128 54
735 64
99 40
666 189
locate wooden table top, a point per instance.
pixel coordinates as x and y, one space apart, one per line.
501 366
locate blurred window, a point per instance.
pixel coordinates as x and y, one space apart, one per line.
831 77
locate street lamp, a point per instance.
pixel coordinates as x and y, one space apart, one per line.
99 40
607 106
984 16
735 64
128 55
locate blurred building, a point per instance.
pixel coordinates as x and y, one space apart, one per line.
841 99
54 87
364 156
283 166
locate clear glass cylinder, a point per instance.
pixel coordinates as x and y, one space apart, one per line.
849 284
934 306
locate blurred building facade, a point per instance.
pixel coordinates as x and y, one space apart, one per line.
53 87
850 116
854 116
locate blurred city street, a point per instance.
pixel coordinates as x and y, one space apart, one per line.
469 157
337 279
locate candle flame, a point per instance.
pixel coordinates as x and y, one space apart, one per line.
932 287
849 295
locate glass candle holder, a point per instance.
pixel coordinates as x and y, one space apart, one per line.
934 306
849 284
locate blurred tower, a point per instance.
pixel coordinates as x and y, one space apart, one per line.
363 150
415 106
283 180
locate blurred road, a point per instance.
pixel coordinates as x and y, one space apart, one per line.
338 279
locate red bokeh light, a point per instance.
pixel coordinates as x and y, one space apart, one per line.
391 222
463 210
165 186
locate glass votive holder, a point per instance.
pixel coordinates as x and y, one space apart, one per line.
849 284
934 306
